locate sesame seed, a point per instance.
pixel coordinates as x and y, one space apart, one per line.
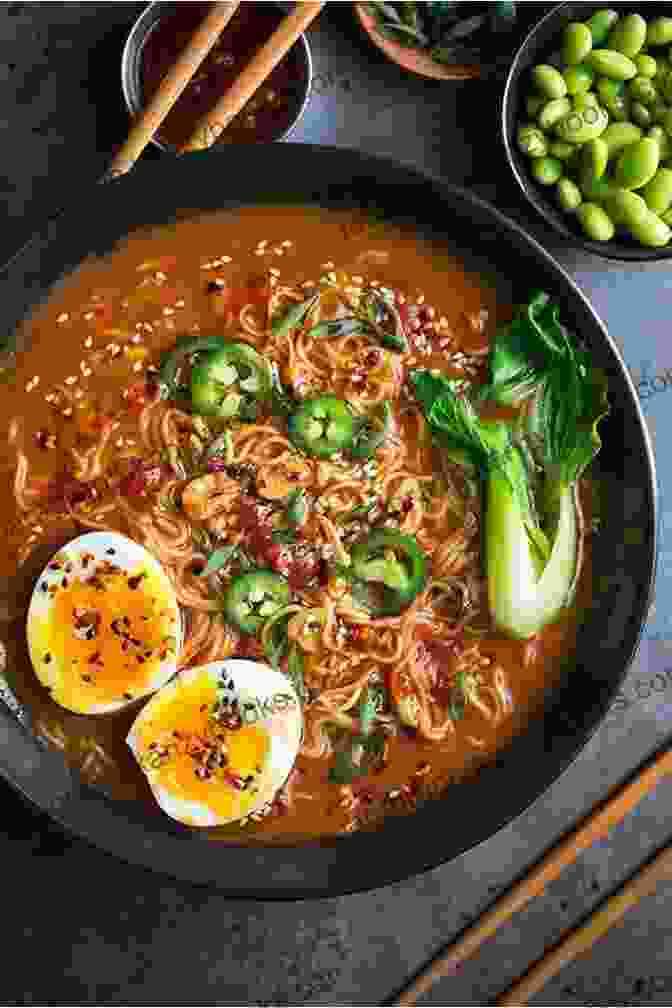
137 367
29 386
79 393
279 251
443 322
327 266
50 397
63 317
116 350
180 303
216 263
206 266
161 277
226 259
286 243
89 315
136 338
431 312
71 379
67 412
86 372
420 299
119 443
274 272
168 311
402 299
260 251
88 342
357 279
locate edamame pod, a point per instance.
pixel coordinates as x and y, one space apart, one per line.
628 35
667 122
568 195
643 90
599 189
657 193
550 81
553 111
546 170
658 134
593 160
583 100
637 164
629 209
619 135
596 223
583 125
533 103
600 24
646 65
659 31
613 97
562 151
613 64
531 141
640 114
578 78
577 41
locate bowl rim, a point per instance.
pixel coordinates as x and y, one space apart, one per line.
132 53
360 861
614 251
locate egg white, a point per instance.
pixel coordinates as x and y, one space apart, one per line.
249 681
129 556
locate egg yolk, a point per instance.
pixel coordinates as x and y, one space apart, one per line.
103 638
196 759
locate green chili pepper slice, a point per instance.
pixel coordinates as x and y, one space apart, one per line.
391 569
322 426
231 381
168 380
253 598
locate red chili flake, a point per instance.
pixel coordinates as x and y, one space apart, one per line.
95 658
372 358
407 505
235 781
355 633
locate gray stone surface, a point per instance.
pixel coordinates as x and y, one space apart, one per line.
80 927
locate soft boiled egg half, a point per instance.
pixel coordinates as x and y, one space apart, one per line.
103 624
218 741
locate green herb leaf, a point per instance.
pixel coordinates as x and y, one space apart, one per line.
297 508
294 316
220 558
284 537
295 671
367 714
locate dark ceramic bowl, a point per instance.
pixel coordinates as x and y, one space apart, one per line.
500 250
132 83
542 40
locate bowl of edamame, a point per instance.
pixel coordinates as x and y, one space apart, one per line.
587 126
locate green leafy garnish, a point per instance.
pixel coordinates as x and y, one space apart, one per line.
528 468
297 508
220 558
294 316
284 536
295 671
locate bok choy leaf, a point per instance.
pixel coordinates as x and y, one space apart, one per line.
530 466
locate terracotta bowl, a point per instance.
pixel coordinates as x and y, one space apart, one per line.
417 61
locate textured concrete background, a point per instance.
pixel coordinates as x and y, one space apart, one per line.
80 927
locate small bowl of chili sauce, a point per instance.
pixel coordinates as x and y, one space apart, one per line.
162 31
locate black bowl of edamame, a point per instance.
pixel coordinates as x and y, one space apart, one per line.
587 126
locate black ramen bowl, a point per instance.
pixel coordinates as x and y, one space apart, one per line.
540 43
155 194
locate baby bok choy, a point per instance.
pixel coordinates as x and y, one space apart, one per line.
529 465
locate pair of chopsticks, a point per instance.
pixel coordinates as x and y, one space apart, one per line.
213 123
575 942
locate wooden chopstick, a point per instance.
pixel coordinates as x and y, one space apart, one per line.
213 123
582 939
172 86
595 826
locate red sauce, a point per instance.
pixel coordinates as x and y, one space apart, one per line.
268 113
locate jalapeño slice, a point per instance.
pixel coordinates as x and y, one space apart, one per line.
322 426
231 382
255 597
391 569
